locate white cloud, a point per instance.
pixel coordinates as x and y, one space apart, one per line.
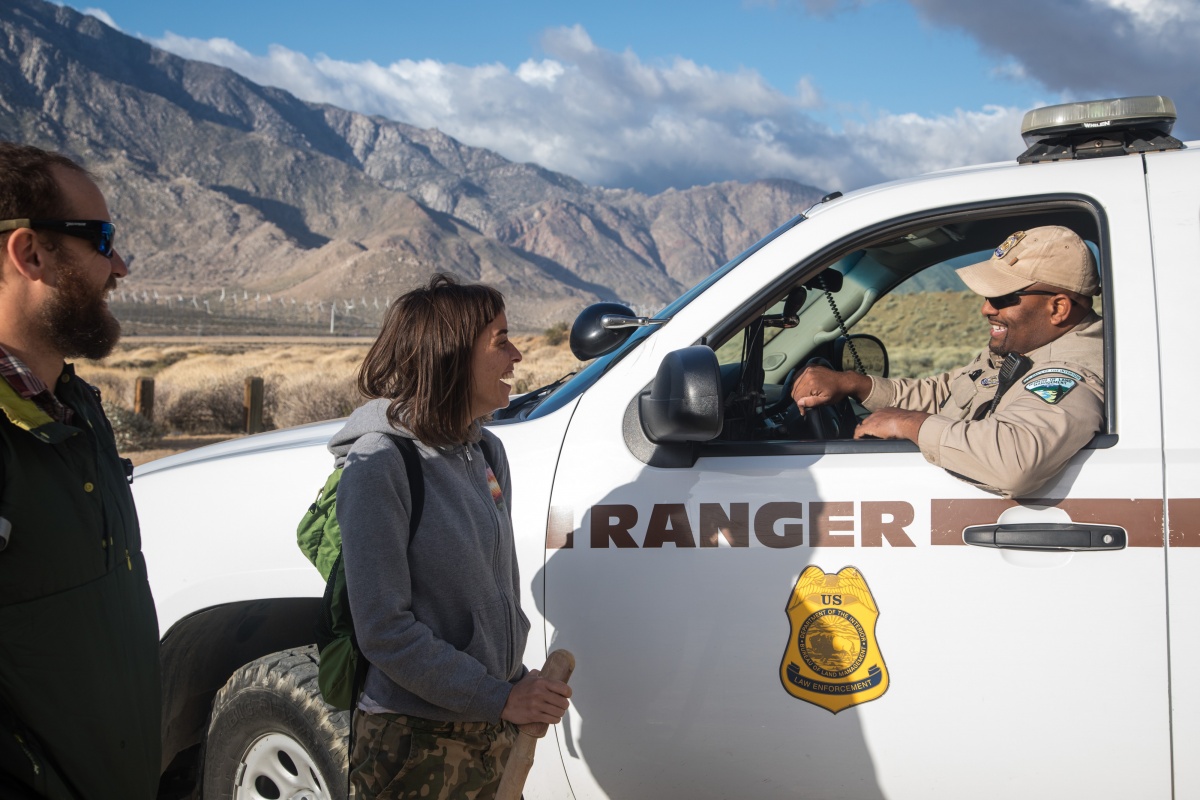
807 93
611 119
541 73
1156 13
904 144
1090 48
1011 70
102 15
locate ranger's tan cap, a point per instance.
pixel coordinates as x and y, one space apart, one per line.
1052 254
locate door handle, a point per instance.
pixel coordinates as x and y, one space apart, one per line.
1047 536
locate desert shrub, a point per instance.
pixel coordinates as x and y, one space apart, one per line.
115 387
200 388
217 407
556 334
131 431
214 405
922 362
147 358
206 393
313 399
542 362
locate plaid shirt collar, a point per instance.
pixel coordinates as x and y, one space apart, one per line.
31 387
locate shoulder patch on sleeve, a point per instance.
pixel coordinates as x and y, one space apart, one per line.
1075 376
1052 385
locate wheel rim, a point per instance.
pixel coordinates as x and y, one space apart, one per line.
277 767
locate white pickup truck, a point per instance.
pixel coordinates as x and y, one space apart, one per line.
759 605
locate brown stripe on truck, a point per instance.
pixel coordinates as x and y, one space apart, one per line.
1141 519
1184 516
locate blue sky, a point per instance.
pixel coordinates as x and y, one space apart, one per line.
834 93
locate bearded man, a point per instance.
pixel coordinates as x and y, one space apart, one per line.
79 670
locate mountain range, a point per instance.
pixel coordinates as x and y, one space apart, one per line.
217 183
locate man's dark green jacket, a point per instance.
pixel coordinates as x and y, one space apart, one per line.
79 670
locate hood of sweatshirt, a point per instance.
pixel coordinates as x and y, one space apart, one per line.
368 418
372 418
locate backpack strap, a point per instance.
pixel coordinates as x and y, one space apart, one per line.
489 455
489 458
416 480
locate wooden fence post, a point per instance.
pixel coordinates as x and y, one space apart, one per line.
254 405
143 397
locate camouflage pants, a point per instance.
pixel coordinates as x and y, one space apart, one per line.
397 757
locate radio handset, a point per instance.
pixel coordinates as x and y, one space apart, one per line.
1014 367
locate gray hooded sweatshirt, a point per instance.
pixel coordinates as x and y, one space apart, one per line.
437 614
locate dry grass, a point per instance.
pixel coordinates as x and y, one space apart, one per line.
542 362
200 386
927 333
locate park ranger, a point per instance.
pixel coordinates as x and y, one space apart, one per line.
1010 419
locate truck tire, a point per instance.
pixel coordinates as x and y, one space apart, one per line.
271 735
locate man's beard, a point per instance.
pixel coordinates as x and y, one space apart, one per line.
76 320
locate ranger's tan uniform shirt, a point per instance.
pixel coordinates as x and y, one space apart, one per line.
1043 419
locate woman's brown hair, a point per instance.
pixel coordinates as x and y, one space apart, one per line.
421 360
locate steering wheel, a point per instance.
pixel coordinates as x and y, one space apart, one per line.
831 421
785 399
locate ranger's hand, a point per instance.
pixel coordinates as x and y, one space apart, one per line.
891 423
535 699
819 386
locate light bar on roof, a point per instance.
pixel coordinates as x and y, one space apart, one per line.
1118 113
1099 128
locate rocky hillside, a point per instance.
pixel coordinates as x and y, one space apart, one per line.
219 183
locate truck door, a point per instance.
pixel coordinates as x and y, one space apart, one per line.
781 616
1175 213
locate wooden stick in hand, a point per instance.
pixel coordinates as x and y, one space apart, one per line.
559 666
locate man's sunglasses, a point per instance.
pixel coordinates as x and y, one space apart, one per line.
98 232
1012 298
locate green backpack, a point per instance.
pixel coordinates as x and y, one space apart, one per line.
343 668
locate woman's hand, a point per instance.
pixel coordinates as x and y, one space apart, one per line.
534 699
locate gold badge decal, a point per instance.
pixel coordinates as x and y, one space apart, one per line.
1008 244
832 659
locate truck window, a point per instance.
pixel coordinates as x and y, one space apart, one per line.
896 301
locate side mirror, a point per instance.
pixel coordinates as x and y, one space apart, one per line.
590 338
871 355
684 402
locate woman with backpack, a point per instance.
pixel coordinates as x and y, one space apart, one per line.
436 606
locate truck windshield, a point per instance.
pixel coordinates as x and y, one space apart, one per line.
550 402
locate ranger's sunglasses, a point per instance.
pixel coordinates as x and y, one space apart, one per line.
1012 298
98 232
